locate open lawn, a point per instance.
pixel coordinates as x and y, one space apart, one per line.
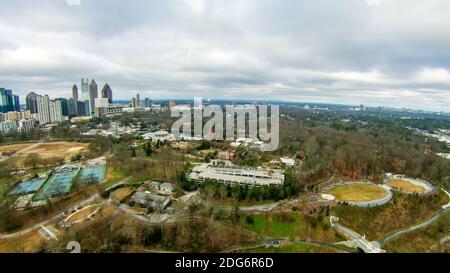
65 150
54 149
405 186
357 192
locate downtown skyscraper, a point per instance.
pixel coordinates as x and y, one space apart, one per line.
93 94
8 101
107 93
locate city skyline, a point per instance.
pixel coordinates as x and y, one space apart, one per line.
361 54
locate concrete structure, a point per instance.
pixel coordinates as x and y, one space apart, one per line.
288 161
167 187
104 108
150 200
225 172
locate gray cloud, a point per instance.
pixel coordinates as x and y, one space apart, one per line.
395 54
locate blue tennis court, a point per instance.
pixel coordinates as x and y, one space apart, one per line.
92 175
57 184
27 187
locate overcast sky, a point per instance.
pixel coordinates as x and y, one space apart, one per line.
373 52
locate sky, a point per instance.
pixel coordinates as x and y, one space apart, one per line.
373 52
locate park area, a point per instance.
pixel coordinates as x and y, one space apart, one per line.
357 192
57 184
64 150
406 186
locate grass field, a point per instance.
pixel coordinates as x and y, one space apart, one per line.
272 225
47 150
357 192
405 186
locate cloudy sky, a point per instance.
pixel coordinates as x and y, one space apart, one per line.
374 52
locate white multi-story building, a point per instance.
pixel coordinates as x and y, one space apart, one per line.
7 126
43 109
26 125
56 115
225 172
49 111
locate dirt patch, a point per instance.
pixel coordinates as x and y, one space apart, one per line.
405 186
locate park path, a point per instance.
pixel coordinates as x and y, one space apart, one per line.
43 223
426 223
414 227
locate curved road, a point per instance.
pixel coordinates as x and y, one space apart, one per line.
412 228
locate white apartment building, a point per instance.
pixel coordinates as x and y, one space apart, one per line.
43 109
49 111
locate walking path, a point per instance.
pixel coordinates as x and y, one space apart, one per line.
43 223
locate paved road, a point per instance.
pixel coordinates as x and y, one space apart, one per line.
412 228
43 223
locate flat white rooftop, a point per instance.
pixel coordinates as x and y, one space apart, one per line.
234 175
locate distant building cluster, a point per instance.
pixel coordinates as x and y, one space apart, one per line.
11 116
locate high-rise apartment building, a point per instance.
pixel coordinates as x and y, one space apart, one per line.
43 109
49 111
31 102
55 110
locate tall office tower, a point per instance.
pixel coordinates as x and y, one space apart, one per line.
93 94
83 108
16 103
64 106
84 89
6 100
107 93
72 107
43 109
138 100
31 102
133 102
55 111
148 103
75 92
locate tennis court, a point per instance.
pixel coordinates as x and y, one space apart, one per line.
92 175
57 184
27 187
